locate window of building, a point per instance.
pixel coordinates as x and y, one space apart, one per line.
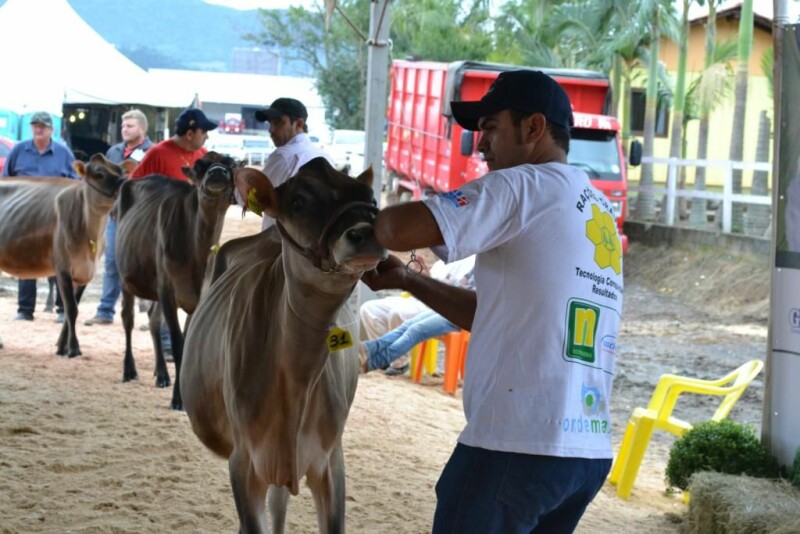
638 99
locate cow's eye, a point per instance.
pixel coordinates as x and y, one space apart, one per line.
298 203
374 202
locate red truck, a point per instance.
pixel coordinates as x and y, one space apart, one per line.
428 152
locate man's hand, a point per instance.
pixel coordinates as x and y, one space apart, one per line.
389 274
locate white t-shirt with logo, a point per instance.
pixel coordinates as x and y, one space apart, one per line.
548 275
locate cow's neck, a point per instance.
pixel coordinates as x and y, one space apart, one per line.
313 296
208 226
95 212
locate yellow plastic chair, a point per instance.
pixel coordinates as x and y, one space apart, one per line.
658 415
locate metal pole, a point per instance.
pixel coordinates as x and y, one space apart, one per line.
780 428
377 75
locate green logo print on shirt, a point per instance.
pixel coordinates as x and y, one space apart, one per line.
582 321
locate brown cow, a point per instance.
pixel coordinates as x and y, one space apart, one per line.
166 230
57 226
263 382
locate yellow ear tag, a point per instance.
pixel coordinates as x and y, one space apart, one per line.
253 203
93 246
215 249
339 339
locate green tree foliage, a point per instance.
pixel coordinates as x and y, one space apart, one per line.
338 57
439 30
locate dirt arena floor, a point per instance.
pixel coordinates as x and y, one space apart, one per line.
82 452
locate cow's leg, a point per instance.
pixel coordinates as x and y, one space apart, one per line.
68 341
278 499
161 372
249 493
129 366
169 310
327 487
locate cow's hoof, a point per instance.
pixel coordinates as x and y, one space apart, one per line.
127 377
163 382
74 353
176 405
61 352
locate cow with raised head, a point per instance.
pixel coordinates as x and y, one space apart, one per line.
166 230
56 226
265 382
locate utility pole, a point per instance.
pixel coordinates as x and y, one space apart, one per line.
377 74
780 429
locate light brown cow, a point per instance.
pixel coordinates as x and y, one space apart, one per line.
166 230
263 382
57 226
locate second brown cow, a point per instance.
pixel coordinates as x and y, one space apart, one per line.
166 230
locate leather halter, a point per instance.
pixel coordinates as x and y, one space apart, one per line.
113 192
320 251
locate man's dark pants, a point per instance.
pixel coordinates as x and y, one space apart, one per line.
26 299
483 491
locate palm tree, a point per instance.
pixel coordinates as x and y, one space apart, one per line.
758 216
698 216
676 135
713 86
737 135
662 16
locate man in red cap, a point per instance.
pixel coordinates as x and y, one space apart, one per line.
544 317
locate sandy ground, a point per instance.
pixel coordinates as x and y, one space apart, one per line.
82 452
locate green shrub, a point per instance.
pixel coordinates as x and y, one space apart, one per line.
723 447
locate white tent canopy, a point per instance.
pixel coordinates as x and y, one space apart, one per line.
256 90
79 67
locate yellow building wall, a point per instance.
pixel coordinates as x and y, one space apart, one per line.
721 120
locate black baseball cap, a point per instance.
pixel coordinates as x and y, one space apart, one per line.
281 107
528 91
193 118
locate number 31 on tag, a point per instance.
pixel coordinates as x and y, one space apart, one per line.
339 339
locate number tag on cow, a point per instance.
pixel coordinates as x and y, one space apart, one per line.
339 339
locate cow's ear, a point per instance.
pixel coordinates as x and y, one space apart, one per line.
366 177
80 168
190 174
98 158
128 165
257 191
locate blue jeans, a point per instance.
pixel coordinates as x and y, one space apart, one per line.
483 491
111 284
26 296
390 346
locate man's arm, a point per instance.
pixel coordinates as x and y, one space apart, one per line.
456 304
407 227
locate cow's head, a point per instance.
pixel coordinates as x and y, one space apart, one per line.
213 176
102 175
322 213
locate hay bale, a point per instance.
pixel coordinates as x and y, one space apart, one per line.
737 504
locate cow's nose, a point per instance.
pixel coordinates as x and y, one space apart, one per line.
357 235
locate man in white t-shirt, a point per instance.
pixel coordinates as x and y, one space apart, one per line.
288 130
544 317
